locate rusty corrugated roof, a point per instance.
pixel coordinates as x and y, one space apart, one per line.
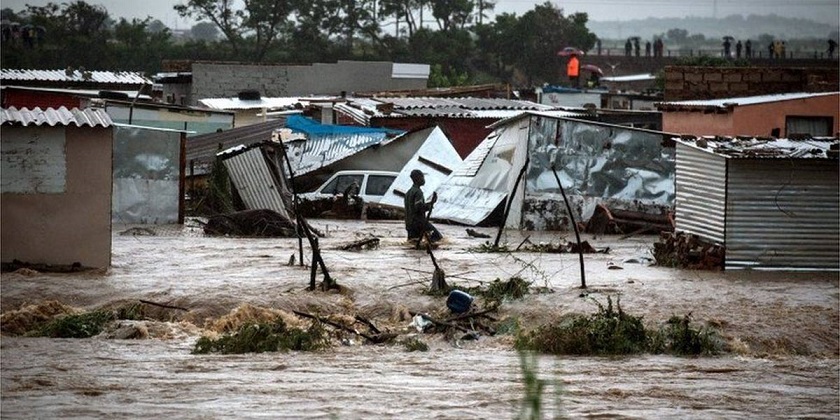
91 117
77 76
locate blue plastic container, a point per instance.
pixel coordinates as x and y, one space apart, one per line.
459 301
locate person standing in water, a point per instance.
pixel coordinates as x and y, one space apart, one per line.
417 209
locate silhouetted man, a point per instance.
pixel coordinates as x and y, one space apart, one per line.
416 209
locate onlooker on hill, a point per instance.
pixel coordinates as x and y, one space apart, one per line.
573 70
628 47
647 49
738 47
748 49
832 45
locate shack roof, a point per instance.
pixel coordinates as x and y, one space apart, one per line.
62 116
75 76
361 110
764 148
726 104
273 103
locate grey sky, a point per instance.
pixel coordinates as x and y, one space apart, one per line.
825 11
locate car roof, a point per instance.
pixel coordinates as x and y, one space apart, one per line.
364 171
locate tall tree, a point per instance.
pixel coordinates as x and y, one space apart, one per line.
533 43
250 31
452 14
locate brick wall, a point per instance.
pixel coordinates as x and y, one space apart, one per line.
695 83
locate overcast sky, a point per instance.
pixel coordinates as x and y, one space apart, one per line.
826 11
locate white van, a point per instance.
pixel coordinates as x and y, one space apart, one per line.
372 185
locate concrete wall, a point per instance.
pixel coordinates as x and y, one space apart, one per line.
693 83
752 120
72 222
220 80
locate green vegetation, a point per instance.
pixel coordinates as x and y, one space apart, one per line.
532 402
265 337
611 331
74 326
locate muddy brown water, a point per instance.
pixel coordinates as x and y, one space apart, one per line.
782 329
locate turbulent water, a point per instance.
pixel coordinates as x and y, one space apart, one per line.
781 329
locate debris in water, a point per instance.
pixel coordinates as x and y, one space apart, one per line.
251 223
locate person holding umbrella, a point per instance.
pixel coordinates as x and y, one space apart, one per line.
573 70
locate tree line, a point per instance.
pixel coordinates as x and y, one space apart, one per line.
455 36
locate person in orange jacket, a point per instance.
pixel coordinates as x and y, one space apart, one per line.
573 70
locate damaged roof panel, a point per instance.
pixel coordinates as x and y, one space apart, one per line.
267 103
91 117
763 148
436 158
727 103
120 77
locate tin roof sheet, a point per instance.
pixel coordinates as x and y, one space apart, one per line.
361 110
629 78
268 103
120 77
91 117
762 148
742 101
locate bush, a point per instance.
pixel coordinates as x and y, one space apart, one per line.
75 326
613 332
265 337
607 332
678 337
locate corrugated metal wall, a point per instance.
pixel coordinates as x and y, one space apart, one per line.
254 181
783 213
701 193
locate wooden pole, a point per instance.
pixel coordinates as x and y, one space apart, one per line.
574 225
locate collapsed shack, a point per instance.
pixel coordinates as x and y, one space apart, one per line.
252 223
682 250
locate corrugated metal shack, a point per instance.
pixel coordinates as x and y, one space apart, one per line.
772 203
619 167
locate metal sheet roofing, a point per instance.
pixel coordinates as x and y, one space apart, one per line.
91 117
328 143
268 103
361 110
120 77
742 101
629 78
80 92
203 148
757 148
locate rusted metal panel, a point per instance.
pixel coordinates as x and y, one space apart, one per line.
255 182
92 117
701 193
783 214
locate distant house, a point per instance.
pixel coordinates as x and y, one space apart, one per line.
777 115
56 185
772 204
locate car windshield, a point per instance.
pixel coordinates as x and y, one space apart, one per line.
341 183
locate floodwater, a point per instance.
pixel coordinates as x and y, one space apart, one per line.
782 329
